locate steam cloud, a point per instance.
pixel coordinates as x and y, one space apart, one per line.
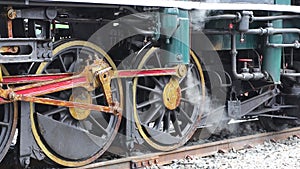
198 16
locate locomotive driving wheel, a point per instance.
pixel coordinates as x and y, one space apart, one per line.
8 123
167 109
74 136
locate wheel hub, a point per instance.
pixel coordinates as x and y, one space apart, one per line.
172 94
80 95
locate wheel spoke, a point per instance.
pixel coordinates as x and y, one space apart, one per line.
62 63
99 125
46 71
102 94
98 96
157 82
4 124
159 120
54 111
185 115
158 60
160 84
66 115
167 121
149 115
52 97
72 67
188 101
149 89
146 103
190 87
176 124
77 53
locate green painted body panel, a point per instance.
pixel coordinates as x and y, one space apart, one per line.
291 37
222 42
175 26
272 56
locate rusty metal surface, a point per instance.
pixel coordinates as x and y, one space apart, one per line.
196 150
45 84
71 104
172 94
176 71
9 28
9 49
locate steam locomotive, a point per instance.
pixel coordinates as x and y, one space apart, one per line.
78 76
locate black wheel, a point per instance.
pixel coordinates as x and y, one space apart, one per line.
167 110
8 123
65 136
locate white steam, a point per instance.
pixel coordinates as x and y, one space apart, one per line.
198 16
212 114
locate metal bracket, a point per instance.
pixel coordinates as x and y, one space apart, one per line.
35 13
28 147
234 108
237 109
40 50
130 126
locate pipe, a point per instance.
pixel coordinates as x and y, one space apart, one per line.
292 45
241 76
268 18
259 31
236 17
296 44
272 31
291 74
216 32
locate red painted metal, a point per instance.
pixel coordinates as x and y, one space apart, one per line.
150 72
245 60
51 83
33 78
52 87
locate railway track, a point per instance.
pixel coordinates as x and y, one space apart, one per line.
206 149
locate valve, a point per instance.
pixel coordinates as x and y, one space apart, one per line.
245 69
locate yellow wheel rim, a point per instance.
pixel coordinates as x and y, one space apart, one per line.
142 132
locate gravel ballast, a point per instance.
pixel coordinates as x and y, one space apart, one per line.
281 154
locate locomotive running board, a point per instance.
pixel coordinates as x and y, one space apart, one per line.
168 4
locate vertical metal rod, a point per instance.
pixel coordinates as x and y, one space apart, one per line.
9 28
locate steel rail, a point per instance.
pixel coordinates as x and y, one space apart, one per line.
206 149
